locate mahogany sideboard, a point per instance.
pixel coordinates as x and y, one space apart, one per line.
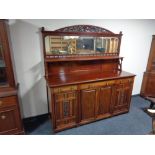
83 70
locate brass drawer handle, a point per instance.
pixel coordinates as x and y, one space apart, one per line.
1 103
3 117
65 95
72 88
59 90
130 81
107 84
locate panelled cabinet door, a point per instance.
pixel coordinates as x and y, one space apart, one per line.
65 109
87 105
9 120
127 94
121 98
103 108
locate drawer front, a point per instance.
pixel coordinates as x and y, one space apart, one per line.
64 89
8 101
9 120
124 81
96 84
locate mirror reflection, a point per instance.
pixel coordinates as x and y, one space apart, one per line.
3 77
57 45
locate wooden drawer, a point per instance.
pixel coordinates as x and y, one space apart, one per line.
8 101
65 96
96 84
125 80
9 120
64 89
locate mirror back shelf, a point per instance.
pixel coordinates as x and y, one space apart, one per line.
81 46
81 40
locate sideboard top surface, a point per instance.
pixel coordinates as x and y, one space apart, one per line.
79 78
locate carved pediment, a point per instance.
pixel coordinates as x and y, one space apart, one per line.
84 28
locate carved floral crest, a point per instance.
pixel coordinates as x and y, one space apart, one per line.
84 28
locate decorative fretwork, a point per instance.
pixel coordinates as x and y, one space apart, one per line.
84 28
80 55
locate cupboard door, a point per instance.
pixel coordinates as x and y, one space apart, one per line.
103 107
9 120
88 101
65 109
127 94
122 96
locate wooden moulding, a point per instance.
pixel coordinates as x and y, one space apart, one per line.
82 58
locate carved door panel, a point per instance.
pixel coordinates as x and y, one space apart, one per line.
121 98
88 102
103 107
65 109
127 94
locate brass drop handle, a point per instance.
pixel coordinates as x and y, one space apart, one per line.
3 117
59 90
65 95
107 84
130 81
72 88
1 103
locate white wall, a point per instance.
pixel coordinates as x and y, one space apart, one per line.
27 50
29 67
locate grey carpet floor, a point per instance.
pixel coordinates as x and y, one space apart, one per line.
136 122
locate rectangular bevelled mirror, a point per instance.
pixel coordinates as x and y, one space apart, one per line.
3 75
66 45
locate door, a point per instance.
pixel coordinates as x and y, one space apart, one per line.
65 109
103 108
9 120
122 97
87 105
